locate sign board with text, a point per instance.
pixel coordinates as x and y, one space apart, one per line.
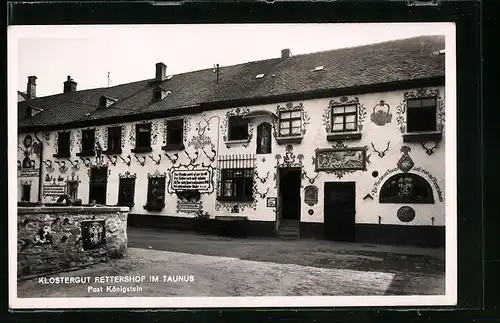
54 190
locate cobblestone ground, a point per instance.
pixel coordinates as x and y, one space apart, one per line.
257 267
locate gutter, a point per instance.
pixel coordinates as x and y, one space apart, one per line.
40 169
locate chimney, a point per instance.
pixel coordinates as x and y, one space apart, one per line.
69 85
286 53
161 72
31 88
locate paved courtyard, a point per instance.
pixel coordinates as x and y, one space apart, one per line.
219 266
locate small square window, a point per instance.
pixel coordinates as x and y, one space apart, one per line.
238 128
237 184
290 123
344 118
421 115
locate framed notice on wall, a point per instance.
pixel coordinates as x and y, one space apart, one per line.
271 202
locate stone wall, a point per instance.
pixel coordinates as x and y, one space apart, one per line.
55 239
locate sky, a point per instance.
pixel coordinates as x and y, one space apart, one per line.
129 52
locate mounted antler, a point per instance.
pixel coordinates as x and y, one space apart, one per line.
262 195
262 180
74 164
47 163
86 161
311 180
430 151
126 162
192 160
143 162
62 165
173 160
113 160
157 162
214 152
381 154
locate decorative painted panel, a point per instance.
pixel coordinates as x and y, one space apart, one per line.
406 188
406 214
93 234
381 114
341 159
289 159
311 195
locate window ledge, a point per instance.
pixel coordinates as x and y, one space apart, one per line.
86 153
112 152
422 136
142 150
290 139
130 205
149 207
169 147
61 155
344 135
237 142
232 199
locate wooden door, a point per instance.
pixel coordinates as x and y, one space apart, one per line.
339 211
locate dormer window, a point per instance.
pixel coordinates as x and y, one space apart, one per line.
259 76
318 68
159 94
105 102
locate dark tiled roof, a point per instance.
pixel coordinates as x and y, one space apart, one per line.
388 62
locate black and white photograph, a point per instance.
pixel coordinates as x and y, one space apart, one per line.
232 165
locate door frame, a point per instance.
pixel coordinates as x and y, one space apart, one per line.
280 171
352 184
105 183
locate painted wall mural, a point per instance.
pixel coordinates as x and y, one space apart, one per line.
311 195
406 188
418 94
434 181
381 114
306 119
406 214
344 100
289 159
405 163
341 160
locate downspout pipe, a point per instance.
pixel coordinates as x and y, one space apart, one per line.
40 178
